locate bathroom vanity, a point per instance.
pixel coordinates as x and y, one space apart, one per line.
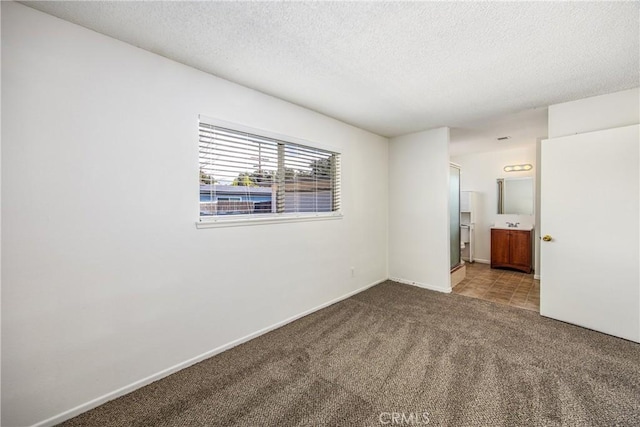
512 248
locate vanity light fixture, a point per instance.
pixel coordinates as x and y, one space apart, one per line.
518 168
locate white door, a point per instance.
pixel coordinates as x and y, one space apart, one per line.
590 197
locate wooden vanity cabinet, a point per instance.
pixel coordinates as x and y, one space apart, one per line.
512 249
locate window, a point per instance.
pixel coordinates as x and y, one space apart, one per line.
248 174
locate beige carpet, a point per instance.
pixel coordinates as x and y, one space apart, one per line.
400 349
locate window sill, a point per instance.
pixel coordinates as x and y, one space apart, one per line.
245 220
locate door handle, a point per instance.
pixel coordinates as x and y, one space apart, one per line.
547 238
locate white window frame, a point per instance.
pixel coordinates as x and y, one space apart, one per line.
265 218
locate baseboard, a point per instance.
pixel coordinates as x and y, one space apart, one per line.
536 276
57 419
479 261
421 285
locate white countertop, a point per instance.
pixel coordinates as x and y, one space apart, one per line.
520 227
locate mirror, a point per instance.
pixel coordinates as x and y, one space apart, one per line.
515 196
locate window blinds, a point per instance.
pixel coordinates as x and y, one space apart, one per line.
243 173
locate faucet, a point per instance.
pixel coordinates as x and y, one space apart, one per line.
512 225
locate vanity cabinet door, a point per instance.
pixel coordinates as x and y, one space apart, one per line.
499 248
520 249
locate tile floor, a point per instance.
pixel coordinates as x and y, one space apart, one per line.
502 286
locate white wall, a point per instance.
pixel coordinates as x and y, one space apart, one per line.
479 174
419 209
106 280
596 113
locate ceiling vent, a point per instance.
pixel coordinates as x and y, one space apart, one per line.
504 138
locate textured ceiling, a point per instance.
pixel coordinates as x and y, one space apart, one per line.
389 67
522 128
